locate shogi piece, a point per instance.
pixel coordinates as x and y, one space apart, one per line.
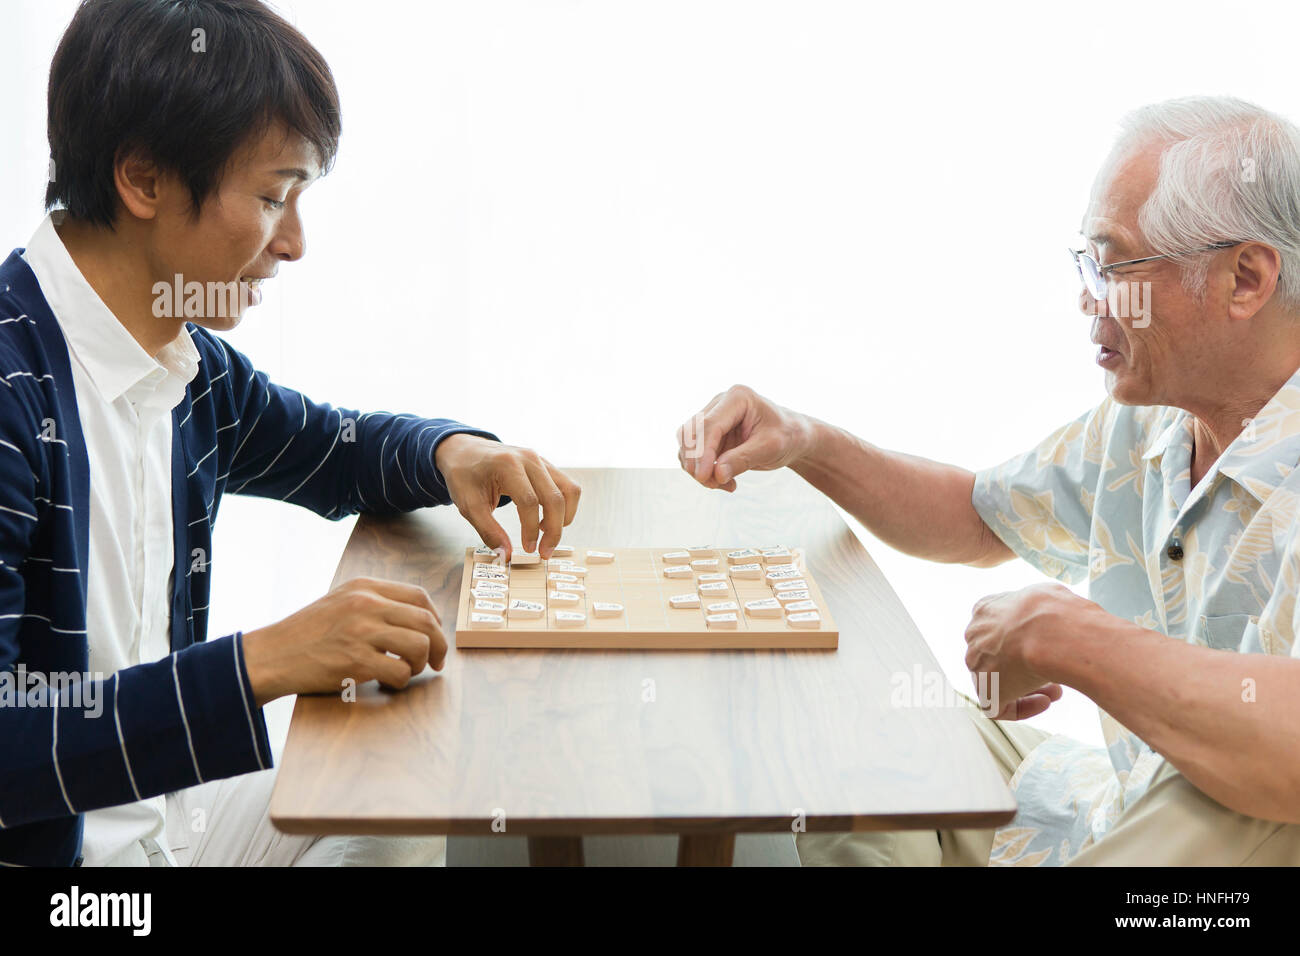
526 610
766 607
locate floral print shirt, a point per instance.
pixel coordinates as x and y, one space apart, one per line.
1108 499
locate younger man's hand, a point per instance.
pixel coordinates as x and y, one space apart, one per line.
478 471
365 629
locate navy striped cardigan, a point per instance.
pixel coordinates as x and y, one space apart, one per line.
190 717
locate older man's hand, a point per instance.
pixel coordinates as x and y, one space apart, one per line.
479 471
1005 635
740 431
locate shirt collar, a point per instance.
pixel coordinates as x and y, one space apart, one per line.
1266 451
114 361
1172 426
1268 448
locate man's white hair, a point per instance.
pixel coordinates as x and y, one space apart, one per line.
1230 172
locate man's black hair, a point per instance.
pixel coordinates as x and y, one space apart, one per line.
187 83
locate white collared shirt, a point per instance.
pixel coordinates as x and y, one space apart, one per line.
124 401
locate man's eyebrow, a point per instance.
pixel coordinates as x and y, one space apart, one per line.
1103 237
297 172
1096 230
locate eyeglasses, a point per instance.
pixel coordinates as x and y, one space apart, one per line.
1093 273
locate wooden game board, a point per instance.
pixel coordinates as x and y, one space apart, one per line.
636 580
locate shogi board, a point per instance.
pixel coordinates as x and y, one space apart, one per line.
635 579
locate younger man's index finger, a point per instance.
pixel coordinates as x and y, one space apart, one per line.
491 533
520 489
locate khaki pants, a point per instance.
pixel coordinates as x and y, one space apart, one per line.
1172 824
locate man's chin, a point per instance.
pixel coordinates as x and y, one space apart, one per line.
1124 390
219 324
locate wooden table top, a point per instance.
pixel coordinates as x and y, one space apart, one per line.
570 742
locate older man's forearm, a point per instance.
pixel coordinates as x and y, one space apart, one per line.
1229 722
917 506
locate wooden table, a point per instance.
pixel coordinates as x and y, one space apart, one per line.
557 744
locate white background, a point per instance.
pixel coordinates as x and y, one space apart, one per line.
637 197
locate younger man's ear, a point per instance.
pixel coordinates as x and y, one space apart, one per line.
139 184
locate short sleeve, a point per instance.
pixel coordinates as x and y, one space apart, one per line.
1040 502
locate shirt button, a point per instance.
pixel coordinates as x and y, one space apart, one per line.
1175 551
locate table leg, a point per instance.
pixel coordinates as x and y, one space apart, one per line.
705 849
555 851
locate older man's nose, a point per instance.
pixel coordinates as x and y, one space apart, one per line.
1090 306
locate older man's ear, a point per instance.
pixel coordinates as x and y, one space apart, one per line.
1252 274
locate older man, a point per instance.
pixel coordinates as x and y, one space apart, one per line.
1175 498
